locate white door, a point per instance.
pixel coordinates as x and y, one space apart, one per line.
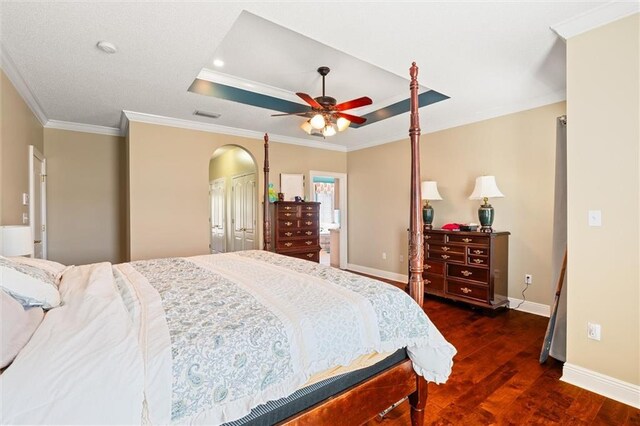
244 213
217 194
38 202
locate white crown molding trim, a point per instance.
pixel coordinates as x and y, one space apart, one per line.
530 307
549 99
81 127
216 128
10 69
613 388
595 18
378 273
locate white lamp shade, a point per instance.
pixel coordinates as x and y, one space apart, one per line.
429 190
16 240
317 122
307 127
485 188
343 124
329 130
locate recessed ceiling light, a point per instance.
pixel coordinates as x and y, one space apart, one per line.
107 47
218 63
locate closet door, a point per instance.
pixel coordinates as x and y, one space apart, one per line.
218 236
244 192
237 191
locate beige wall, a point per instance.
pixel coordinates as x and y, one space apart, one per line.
519 149
19 128
85 197
169 179
603 98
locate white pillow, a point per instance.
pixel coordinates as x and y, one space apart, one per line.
30 285
17 326
49 266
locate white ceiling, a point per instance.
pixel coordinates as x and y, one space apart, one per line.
491 58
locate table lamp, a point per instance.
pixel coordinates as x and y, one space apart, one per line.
485 188
16 240
429 191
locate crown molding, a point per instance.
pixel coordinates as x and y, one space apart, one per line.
216 128
10 69
595 18
81 127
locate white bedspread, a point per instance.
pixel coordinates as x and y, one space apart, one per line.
168 339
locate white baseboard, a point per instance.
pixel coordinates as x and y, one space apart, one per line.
378 273
610 387
530 307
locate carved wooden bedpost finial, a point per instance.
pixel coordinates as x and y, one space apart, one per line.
266 222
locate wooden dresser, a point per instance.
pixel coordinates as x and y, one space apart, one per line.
470 267
296 229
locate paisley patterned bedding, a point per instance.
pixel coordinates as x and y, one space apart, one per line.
249 327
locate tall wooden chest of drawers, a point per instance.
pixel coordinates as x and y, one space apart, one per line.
295 229
471 267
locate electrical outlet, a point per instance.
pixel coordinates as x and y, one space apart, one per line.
384 256
593 331
528 279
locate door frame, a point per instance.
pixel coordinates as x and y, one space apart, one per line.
33 152
344 224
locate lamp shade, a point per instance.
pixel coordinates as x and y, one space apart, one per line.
429 190
16 240
485 188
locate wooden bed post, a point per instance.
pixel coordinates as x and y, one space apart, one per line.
265 218
418 399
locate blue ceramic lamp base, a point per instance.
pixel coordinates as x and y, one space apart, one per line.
427 216
485 215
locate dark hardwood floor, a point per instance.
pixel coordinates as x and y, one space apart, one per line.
497 378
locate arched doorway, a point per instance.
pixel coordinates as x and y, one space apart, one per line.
233 194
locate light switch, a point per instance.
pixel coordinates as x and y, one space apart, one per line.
595 218
25 199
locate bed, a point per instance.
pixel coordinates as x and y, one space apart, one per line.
237 338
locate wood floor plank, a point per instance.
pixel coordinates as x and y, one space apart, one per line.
497 378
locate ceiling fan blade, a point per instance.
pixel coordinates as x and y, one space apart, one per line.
354 103
351 118
302 114
308 99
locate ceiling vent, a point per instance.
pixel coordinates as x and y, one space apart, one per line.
213 115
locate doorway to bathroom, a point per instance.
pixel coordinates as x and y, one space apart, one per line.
330 190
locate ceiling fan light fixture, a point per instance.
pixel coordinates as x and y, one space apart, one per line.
317 122
329 130
343 124
307 127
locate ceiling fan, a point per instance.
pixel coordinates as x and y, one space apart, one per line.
326 116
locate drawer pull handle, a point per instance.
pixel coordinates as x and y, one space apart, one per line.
477 251
466 273
288 234
467 240
427 282
466 290
308 232
477 260
445 256
288 244
445 248
288 223
308 222
309 208
308 242
288 208
309 254
287 214
427 266
428 237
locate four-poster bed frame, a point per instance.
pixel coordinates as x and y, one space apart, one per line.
365 400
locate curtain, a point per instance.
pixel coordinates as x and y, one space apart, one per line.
559 343
324 194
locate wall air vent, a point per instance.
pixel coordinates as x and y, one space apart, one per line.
206 114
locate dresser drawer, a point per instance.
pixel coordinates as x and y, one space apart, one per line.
444 248
434 283
285 224
469 239
313 208
313 256
288 207
287 214
478 251
449 257
434 267
432 238
298 243
297 233
468 273
308 223
467 290
478 260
